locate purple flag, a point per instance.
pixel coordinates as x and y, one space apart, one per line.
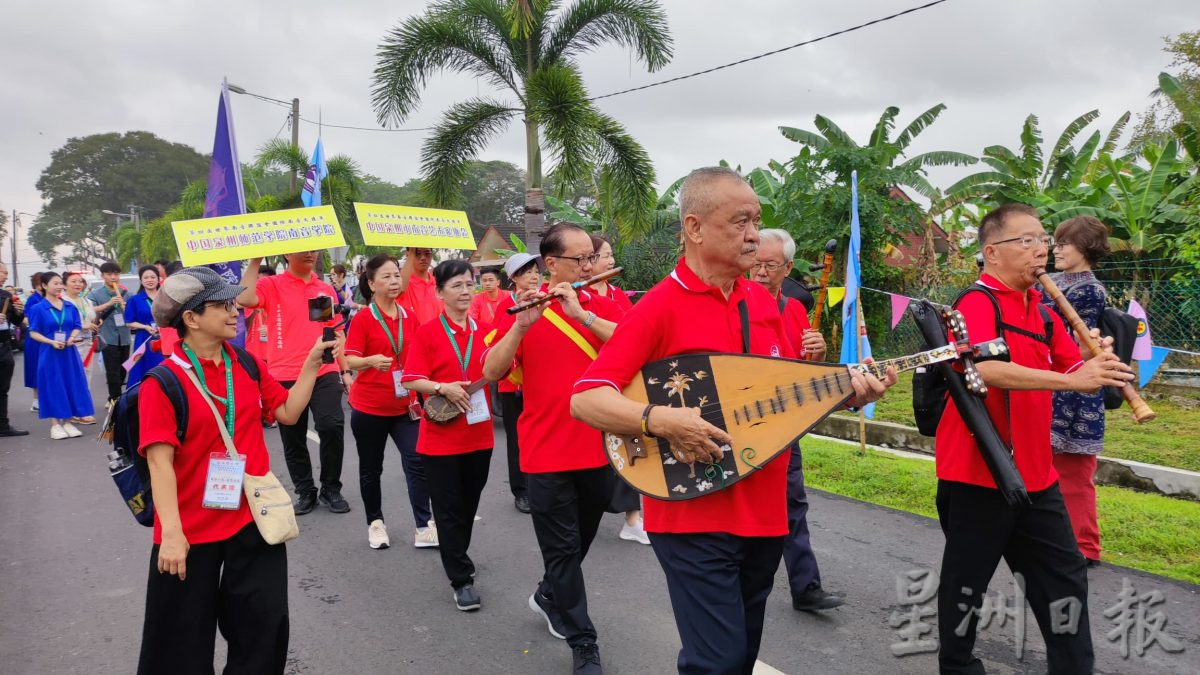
225 196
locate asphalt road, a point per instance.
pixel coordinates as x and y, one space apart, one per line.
74 568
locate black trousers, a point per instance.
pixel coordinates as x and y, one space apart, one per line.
455 483
511 405
238 585
798 555
371 433
1037 542
330 424
567 507
7 365
719 585
114 372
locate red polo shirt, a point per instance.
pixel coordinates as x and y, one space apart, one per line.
421 300
431 357
483 309
958 457
290 335
504 321
682 315
157 425
552 440
618 298
374 391
795 322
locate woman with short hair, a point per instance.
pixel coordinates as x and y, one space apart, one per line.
444 360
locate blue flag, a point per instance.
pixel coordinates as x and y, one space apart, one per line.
1148 367
225 196
310 194
850 327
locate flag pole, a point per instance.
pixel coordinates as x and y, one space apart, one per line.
862 412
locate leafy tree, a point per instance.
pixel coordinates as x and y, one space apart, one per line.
1176 100
529 48
107 171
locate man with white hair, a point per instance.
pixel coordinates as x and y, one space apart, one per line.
719 552
772 263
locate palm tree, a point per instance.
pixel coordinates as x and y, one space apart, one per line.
885 151
528 48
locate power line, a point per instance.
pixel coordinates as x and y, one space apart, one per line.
772 52
344 126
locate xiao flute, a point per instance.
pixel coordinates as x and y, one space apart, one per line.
826 270
1141 411
578 284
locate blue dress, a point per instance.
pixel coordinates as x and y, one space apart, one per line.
31 347
62 385
1078 426
138 309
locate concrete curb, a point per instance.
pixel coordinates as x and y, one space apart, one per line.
1179 483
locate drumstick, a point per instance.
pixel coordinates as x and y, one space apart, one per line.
1141 411
578 284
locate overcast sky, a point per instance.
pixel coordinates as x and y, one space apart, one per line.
132 65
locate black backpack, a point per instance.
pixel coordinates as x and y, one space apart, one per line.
1122 328
930 389
123 428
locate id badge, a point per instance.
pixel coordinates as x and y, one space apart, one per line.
153 326
223 486
3 322
118 320
262 333
401 391
479 408
60 336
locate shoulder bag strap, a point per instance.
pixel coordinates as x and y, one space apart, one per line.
233 453
569 330
744 311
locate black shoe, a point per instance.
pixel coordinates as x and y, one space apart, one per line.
587 660
334 500
466 599
9 432
815 598
522 503
544 606
1091 562
306 502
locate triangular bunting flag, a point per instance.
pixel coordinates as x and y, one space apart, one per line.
835 296
899 304
1148 367
1141 347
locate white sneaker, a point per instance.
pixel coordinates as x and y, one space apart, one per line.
634 533
71 430
426 537
58 433
34 407
377 535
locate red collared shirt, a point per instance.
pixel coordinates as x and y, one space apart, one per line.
483 309
795 322
290 335
504 321
203 437
432 357
618 298
682 315
374 391
421 300
958 456
552 440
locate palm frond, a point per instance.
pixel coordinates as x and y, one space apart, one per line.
975 185
1031 149
1006 158
667 199
490 20
917 126
465 128
1114 134
1156 179
558 102
629 173
832 132
421 47
640 25
804 137
940 158
280 154
1064 142
883 128
1075 165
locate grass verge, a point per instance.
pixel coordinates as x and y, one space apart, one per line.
1148 532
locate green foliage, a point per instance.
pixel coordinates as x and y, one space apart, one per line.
1175 110
107 171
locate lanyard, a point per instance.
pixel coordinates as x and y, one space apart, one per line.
59 316
397 345
228 400
462 361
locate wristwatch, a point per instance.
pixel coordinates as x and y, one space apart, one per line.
437 388
591 318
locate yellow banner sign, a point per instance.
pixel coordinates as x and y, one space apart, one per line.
254 235
386 225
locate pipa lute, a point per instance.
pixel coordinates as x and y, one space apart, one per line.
764 403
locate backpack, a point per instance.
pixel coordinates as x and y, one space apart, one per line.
130 470
1122 328
930 389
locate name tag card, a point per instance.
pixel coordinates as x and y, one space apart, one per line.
118 319
401 391
60 336
479 408
223 486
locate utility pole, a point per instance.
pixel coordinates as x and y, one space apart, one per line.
295 133
13 241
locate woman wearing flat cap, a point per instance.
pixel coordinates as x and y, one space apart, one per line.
209 565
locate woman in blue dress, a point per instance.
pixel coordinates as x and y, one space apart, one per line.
1077 430
56 325
140 319
32 346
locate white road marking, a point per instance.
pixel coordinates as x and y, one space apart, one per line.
761 668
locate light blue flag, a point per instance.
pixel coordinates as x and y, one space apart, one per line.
1148 367
850 327
317 171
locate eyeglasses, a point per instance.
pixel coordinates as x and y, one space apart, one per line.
227 305
770 266
1027 241
579 259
